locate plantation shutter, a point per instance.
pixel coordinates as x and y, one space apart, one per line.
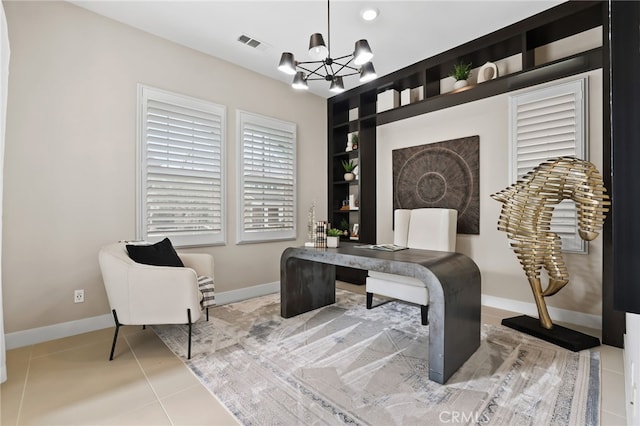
181 169
547 123
267 190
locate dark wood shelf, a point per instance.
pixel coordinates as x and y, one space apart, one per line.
581 62
347 154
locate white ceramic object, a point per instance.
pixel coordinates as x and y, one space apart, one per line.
459 84
349 177
333 242
488 71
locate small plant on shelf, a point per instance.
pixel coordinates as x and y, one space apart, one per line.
348 166
461 71
348 170
354 140
333 232
344 227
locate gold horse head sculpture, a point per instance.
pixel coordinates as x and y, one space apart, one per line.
526 218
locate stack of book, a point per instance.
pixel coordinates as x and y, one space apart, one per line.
321 234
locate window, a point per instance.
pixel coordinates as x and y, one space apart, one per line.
266 178
181 169
546 123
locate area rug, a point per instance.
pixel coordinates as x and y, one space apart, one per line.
346 364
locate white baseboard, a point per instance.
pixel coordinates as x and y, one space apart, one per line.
557 314
71 328
247 293
57 331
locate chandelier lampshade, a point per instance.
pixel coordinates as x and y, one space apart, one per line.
337 85
324 67
300 81
317 49
362 52
367 73
287 63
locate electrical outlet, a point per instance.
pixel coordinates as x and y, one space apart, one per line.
78 296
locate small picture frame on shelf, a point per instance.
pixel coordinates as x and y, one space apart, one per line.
355 230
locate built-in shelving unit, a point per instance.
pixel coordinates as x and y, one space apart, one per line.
517 47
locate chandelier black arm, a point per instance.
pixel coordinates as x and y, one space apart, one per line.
313 72
308 62
351 73
343 66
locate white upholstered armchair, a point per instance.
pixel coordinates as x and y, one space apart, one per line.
426 229
142 294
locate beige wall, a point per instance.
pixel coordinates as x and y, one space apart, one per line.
502 275
70 154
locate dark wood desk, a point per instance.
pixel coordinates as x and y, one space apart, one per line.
307 282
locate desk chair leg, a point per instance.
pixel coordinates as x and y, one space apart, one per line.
189 317
424 313
369 300
115 336
207 313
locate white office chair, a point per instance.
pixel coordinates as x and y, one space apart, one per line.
426 229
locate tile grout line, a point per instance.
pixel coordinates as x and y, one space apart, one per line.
148 381
24 386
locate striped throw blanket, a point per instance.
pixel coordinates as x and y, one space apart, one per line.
206 288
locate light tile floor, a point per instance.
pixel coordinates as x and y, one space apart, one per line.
71 382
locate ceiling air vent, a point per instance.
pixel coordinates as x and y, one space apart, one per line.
245 39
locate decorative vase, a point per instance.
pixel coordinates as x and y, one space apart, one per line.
333 242
349 176
488 71
459 84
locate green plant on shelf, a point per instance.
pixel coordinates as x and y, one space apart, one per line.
460 71
344 225
333 232
354 140
348 165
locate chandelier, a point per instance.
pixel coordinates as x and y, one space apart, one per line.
324 67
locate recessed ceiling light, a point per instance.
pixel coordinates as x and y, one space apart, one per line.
370 13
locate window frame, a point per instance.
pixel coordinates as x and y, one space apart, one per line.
571 243
145 94
243 236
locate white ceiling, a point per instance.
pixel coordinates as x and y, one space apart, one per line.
404 33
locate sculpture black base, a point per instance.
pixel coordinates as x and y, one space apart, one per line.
558 335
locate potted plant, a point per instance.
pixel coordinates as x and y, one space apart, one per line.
461 73
354 140
333 237
344 226
348 169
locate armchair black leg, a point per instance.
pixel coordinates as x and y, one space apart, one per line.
369 300
207 313
115 336
424 313
189 317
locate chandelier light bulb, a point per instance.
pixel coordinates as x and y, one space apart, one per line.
317 49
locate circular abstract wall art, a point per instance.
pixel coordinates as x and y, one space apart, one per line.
443 174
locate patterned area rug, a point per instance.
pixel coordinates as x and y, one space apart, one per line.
346 364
